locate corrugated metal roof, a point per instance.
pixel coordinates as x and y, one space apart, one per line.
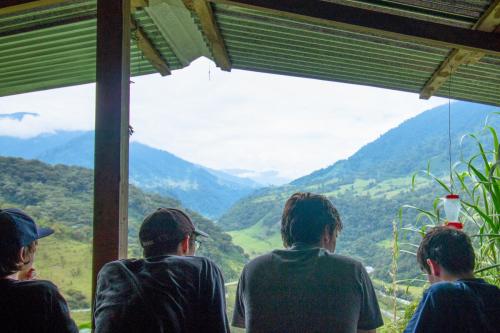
460 13
263 42
56 47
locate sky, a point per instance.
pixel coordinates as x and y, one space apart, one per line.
232 120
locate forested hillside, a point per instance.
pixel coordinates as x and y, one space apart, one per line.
206 191
61 197
370 187
412 145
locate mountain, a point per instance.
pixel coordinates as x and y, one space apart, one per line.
207 191
17 115
411 145
61 197
369 187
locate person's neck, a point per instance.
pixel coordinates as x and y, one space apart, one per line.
466 276
453 277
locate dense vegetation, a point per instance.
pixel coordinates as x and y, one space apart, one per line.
206 191
60 197
369 188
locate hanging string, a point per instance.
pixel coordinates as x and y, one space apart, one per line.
449 130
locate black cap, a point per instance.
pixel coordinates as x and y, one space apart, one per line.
18 227
167 224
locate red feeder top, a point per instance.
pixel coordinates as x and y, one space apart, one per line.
452 196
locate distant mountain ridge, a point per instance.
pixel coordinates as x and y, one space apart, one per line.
17 115
369 187
412 144
209 192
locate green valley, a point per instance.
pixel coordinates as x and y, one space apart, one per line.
370 187
61 197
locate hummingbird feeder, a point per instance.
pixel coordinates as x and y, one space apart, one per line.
452 211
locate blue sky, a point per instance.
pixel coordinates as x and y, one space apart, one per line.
236 120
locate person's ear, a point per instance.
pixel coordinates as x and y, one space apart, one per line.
22 255
328 235
434 267
185 245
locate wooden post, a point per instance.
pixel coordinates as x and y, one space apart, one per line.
111 134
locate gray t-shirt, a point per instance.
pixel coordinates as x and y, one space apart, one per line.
305 289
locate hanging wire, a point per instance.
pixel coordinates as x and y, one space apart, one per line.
449 130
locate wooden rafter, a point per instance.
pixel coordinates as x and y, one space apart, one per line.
148 49
203 10
134 4
489 22
377 23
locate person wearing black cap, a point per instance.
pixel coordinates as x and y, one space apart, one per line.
26 304
171 290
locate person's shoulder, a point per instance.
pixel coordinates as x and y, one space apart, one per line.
261 260
339 260
195 261
446 289
118 264
188 263
342 259
479 284
37 287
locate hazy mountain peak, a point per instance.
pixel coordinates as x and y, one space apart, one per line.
18 115
209 192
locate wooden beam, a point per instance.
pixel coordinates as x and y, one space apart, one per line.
111 134
489 22
377 23
135 4
148 50
203 9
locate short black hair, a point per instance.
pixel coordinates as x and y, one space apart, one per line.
305 217
450 248
166 247
9 257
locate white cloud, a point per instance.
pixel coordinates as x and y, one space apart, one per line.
241 119
69 108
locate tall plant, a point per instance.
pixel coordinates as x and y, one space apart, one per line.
477 180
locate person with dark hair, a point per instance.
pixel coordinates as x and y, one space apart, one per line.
171 290
456 301
27 304
305 287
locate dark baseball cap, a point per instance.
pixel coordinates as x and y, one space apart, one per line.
167 224
18 227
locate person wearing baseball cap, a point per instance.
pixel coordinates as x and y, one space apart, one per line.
170 290
27 304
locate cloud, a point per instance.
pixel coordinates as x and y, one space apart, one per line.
236 120
19 116
69 108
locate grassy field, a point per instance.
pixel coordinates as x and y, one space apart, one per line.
257 239
68 264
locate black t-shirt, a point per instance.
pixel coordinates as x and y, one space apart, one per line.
33 306
161 294
305 289
463 306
